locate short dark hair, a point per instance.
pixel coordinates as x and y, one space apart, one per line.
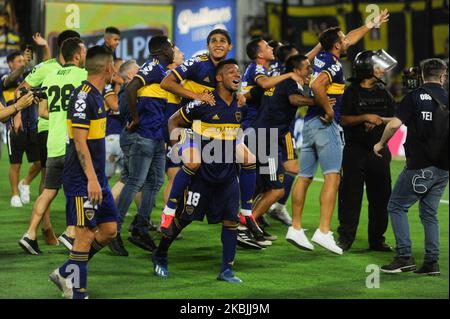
96 58
253 48
112 30
219 31
66 34
157 44
284 51
70 47
432 69
329 37
222 63
13 55
294 62
275 45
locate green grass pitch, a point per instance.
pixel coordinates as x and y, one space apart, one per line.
281 271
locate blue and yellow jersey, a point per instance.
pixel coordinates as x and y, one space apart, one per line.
326 62
276 68
152 99
215 126
197 74
114 123
86 111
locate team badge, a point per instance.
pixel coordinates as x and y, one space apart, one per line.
189 210
238 116
89 214
281 178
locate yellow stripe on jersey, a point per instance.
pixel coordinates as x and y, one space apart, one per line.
8 95
197 88
173 99
86 88
97 128
177 75
78 208
329 75
108 94
220 131
336 88
260 76
289 146
141 78
184 116
152 90
248 88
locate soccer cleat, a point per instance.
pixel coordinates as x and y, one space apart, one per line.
66 241
117 246
298 239
326 241
63 284
142 240
400 264
24 191
228 276
29 246
257 233
160 266
430 269
16 202
245 239
261 220
281 215
50 237
166 221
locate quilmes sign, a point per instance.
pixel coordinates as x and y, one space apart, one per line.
195 19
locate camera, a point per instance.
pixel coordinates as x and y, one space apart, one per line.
38 92
412 78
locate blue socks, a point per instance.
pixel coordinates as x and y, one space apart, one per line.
179 185
229 242
76 267
289 179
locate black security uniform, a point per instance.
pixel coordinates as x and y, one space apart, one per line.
362 167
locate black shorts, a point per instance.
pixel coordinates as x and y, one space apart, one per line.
42 144
269 165
218 202
23 142
54 172
169 162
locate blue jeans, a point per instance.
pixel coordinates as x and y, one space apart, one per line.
126 140
146 173
426 186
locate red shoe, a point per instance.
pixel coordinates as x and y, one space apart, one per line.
166 221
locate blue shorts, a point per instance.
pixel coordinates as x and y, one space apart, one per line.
218 202
322 145
80 212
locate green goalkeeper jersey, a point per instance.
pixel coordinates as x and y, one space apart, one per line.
60 86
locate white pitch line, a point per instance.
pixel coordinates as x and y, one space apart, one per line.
317 179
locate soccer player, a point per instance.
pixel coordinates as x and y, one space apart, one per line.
60 84
214 190
193 80
35 79
112 39
89 202
146 101
322 138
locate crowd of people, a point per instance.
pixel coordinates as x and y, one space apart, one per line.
225 139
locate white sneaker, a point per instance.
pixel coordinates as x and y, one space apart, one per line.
326 241
63 284
24 192
281 214
298 238
15 201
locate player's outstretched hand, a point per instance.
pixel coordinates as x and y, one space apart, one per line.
94 192
207 98
39 40
383 17
377 148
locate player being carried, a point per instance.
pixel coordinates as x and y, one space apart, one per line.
214 190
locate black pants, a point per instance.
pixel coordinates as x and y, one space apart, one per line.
361 166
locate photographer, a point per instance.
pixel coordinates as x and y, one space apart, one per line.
366 108
425 113
23 102
22 131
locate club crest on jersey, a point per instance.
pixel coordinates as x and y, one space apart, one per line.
89 214
238 116
281 178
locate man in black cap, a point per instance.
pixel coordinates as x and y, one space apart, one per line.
367 106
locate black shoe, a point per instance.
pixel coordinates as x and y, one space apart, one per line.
29 246
400 264
67 241
268 236
152 226
344 245
257 233
245 239
430 269
143 240
381 247
117 246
